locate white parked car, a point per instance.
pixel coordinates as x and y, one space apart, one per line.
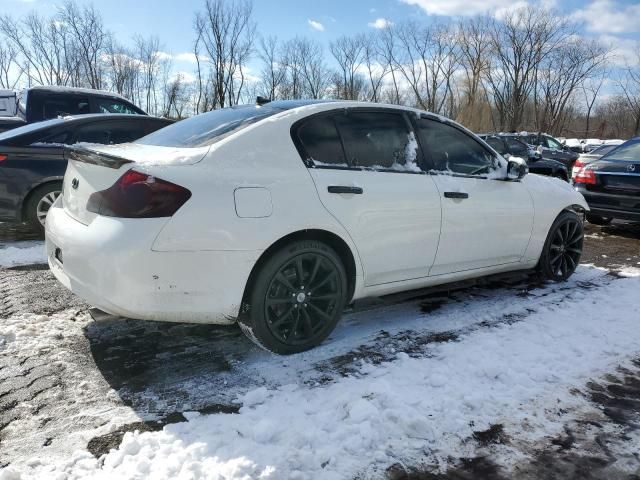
278 215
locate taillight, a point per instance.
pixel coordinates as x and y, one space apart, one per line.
138 195
578 164
585 176
3 157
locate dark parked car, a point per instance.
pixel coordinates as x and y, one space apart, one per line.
510 145
611 185
32 158
592 156
43 103
550 148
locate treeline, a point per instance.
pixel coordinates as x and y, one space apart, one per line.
528 70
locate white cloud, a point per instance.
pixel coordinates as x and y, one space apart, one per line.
460 7
380 23
608 16
163 55
316 25
624 51
185 57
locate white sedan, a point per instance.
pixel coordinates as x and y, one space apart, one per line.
278 215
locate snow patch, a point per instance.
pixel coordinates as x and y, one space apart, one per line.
22 253
413 410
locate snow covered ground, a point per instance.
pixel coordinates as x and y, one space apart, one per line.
394 385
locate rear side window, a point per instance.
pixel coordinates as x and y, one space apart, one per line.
517 147
378 140
208 128
321 143
109 133
452 150
108 105
59 106
497 144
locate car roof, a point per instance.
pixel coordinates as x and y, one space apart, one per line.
87 91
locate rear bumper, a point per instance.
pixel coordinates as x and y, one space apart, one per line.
610 205
109 263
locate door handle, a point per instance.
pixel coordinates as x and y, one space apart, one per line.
456 195
344 189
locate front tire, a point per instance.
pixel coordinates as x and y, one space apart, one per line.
39 203
296 299
563 248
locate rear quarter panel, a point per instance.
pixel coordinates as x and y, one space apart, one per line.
262 156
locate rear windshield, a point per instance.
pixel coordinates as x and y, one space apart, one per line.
628 152
210 127
30 128
603 149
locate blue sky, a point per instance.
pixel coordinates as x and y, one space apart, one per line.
615 21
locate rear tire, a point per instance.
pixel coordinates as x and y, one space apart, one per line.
563 248
296 299
598 220
39 203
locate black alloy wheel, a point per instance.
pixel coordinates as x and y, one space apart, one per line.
563 247
297 298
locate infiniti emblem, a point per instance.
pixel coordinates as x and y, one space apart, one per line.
74 183
631 168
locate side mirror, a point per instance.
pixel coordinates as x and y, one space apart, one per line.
516 168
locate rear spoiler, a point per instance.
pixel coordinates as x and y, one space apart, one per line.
87 155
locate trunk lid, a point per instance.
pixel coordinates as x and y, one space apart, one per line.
92 168
617 177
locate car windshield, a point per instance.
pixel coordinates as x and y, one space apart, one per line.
627 152
553 143
210 127
32 127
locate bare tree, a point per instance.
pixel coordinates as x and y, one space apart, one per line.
46 47
559 76
427 59
590 89
520 42
176 97
376 67
89 40
315 74
122 70
8 66
474 44
630 86
225 31
152 62
273 71
386 45
291 59
349 53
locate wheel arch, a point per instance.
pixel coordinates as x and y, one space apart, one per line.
333 240
34 188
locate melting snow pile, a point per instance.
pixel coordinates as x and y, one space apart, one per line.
25 253
411 410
